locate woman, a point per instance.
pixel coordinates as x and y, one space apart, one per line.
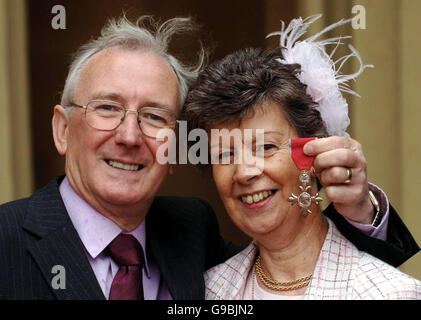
289 92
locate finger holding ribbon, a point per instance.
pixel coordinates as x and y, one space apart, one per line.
341 168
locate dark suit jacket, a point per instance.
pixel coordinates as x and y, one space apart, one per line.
182 235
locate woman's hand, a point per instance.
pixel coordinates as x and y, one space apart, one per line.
333 156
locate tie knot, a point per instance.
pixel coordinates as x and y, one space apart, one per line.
126 250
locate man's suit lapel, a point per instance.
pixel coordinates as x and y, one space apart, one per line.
178 269
59 245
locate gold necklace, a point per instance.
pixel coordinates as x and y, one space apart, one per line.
277 285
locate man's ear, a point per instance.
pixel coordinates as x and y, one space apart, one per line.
60 124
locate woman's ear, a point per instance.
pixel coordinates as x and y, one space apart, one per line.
60 124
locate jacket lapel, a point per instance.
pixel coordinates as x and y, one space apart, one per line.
228 280
335 269
177 265
59 253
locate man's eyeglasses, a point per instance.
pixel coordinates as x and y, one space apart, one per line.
108 115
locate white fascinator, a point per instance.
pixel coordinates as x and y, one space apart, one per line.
322 75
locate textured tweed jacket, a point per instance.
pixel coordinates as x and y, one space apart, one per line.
342 272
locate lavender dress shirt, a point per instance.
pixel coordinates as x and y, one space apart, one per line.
96 232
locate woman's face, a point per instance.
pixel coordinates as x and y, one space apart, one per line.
256 200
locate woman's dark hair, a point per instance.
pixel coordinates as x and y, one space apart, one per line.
231 88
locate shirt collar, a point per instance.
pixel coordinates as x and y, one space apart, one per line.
95 230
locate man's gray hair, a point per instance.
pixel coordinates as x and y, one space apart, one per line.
127 35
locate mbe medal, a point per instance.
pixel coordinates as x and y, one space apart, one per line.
303 163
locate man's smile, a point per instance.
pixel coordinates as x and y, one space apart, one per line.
124 166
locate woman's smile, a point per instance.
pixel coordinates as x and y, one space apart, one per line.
257 200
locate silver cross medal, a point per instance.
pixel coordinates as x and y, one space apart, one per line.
303 163
305 199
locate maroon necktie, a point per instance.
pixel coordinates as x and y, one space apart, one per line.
127 252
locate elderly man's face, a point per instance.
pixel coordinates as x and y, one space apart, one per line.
135 79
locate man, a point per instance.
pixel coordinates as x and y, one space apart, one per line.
100 232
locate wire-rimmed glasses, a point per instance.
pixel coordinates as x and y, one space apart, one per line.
107 115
